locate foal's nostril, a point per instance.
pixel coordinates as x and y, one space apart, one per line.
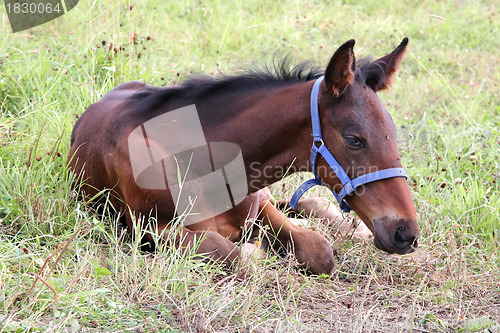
395 235
402 239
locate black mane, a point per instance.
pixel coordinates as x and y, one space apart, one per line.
201 86
280 73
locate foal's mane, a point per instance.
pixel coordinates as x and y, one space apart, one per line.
280 73
200 86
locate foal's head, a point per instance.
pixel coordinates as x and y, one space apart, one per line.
361 135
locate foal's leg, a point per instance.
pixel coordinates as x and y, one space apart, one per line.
328 213
210 244
213 246
311 249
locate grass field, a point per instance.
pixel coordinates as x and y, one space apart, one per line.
64 268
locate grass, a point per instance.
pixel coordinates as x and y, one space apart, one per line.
64 268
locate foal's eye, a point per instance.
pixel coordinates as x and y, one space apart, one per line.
353 141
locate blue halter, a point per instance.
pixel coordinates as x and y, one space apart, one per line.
319 147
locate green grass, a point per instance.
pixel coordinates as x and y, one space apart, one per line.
445 103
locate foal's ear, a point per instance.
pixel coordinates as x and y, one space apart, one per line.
379 74
341 69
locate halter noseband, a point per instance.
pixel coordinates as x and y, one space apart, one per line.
318 147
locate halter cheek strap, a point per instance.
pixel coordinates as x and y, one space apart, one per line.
319 148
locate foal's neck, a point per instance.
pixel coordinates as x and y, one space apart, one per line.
272 128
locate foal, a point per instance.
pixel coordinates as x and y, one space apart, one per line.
265 118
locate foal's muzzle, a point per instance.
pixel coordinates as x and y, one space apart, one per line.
395 236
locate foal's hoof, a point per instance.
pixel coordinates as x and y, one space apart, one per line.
325 266
315 253
250 255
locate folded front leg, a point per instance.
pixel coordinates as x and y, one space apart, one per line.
329 214
310 248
